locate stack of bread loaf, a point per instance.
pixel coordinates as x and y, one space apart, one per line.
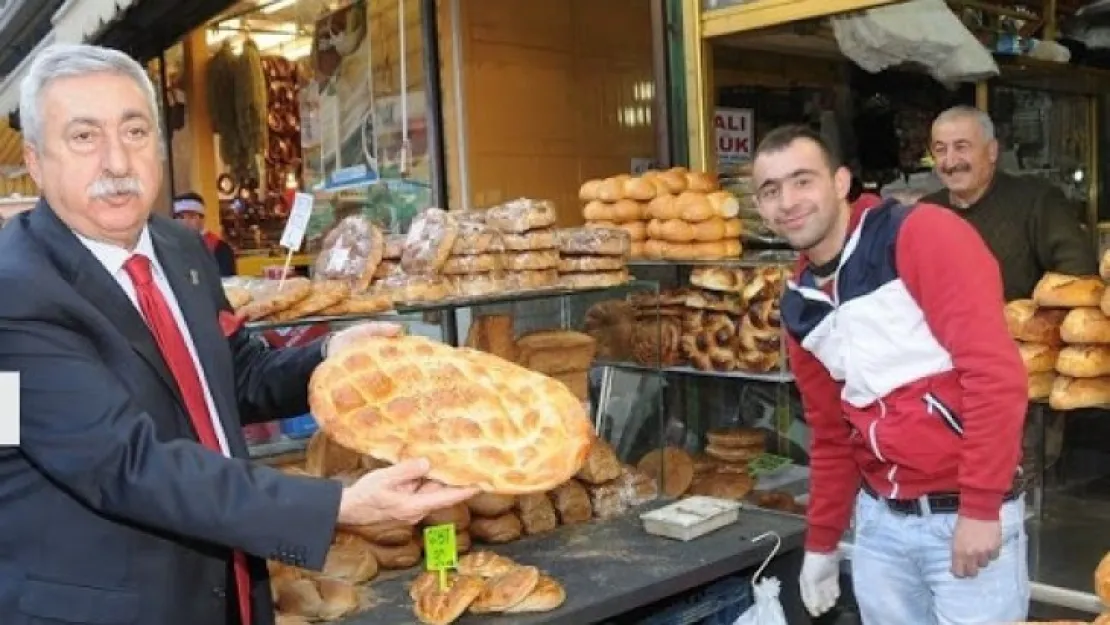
561 354
475 264
340 285
612 489
484 583
674 214
1083 364
722 469
564 355
1037 332
527 230
621 202
593 257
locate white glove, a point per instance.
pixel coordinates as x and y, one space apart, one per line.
820 581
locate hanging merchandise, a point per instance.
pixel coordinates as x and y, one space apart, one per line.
250 108
221 83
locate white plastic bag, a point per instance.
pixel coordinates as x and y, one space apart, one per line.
767 609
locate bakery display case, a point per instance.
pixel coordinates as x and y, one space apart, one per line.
560 302
571 335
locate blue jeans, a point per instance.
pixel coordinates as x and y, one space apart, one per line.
901 570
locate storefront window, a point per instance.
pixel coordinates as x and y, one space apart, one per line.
1045 134
343 109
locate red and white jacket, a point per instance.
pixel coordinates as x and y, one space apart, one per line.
907 373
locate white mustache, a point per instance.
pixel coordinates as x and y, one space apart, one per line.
107 187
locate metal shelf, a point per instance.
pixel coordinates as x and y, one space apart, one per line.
408 308
776 377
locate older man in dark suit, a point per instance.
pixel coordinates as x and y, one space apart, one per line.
129 499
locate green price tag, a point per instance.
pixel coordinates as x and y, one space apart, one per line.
440 550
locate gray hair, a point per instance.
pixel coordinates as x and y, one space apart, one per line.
964 112
71 60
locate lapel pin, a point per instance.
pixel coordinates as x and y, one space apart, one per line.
194 277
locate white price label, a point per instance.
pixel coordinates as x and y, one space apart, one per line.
293 235
9 408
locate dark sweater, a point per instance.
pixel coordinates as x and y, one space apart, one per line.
1031 228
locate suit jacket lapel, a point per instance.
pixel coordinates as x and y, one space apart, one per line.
92 282
185 276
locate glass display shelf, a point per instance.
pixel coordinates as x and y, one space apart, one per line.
751 259
409 308
776 377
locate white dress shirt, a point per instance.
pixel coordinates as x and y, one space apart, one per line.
113 259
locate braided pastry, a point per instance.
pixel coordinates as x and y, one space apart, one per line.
658 343
711 347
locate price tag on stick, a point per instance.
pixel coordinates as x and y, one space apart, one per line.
440 551
292 237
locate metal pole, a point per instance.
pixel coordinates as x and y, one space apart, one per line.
168 131
429 26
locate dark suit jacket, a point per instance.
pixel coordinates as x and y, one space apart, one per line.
110 511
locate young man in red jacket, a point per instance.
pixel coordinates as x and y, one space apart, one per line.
914 392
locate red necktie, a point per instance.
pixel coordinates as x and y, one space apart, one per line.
171 342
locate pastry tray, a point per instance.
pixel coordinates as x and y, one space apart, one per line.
691 517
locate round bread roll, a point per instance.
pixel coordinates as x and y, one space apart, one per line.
1102 580
1056 290
674 465
506 590
432 605
679 231
638 189
701 182
588 191
1074 393
737 437
480 420
458 515
484 564
396 558
496 530
1083 361
351 558
1085 325
1038 358
490 505
726 485
597 210
1040 385
1026 322
389 533
612 189
546 596
602 464
338 598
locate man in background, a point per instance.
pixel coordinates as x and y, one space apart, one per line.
188 208
1027 222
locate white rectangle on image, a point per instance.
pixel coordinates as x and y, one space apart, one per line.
9 408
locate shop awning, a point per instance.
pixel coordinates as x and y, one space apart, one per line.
81 20
9 86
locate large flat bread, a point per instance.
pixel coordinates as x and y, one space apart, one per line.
479 419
